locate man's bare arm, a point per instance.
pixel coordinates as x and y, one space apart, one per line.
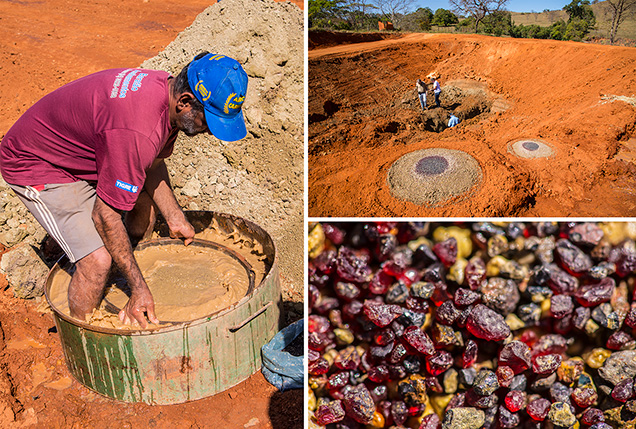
113 233
158 187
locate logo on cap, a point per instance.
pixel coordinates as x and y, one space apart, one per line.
220 84
238 101
202 90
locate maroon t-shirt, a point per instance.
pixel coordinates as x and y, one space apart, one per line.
107 127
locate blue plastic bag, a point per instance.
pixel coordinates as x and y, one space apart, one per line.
282 369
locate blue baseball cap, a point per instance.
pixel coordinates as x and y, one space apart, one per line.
220 84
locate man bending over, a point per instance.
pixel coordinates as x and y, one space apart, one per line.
91 153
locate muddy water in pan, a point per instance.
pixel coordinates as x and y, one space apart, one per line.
187 283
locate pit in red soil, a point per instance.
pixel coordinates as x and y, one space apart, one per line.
576 99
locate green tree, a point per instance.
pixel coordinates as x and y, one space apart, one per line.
466 25
424 18
580 9
477 9
497 23
420 20
357 14
576 30
581 20
324 13
557 30
444 18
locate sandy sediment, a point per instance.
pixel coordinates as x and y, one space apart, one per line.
187 282
434 176
531 148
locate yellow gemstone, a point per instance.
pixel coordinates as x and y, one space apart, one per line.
545 308
461 235
513 322
440 402
591 327
378 420
344 336
497 244
330 355
614 232
316 240
494 265
450 381
311 401
569 371
428 321
597 358
456 272
414 244
316 383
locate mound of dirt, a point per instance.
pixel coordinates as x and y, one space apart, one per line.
434 177
575 97
259 178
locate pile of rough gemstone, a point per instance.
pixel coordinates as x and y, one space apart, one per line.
470 325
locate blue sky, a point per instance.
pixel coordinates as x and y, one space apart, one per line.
513 5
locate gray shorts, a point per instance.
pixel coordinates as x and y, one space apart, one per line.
64 210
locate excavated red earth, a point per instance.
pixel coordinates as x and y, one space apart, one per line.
580 99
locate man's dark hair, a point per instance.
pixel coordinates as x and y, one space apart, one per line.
181 84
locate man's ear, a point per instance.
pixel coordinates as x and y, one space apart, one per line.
184 100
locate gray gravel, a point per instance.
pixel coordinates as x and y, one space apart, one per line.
460 178
541 149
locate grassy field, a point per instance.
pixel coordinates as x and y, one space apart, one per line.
627 30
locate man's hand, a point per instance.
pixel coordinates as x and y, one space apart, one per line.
113 233
140 301
158 187
183 230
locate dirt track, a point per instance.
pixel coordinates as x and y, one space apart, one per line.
578 98
44 45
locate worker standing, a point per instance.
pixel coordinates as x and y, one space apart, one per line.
421 92
436 90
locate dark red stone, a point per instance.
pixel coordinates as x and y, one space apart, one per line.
486 324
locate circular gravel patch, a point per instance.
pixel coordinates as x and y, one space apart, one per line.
433 176
530 149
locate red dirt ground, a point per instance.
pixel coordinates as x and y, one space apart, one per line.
43 45
556 92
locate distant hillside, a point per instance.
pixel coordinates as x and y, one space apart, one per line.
627 30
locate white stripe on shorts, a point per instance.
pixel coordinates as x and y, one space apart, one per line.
49 220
